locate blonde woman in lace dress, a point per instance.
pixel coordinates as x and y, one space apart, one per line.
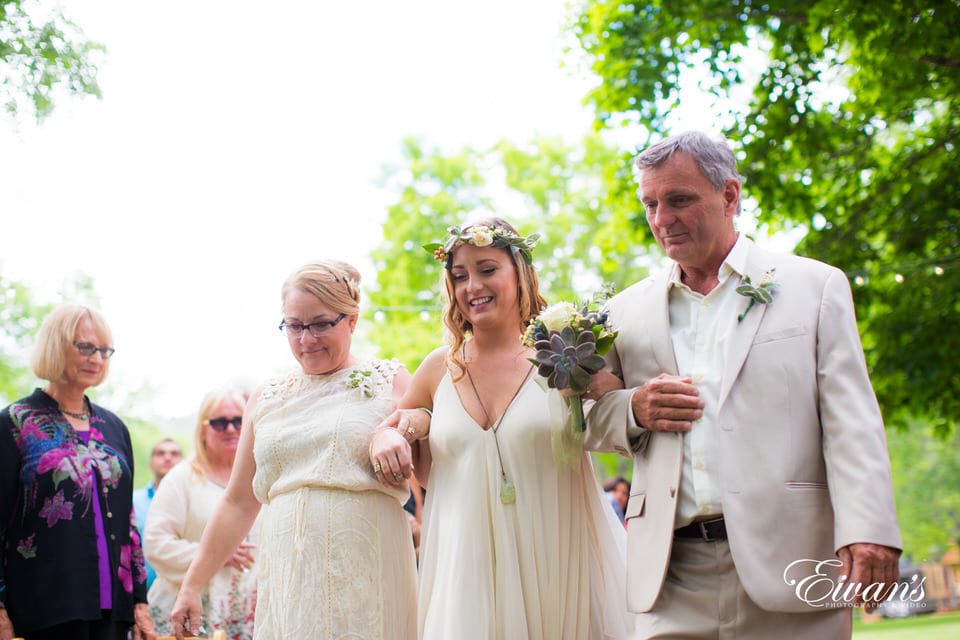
335 558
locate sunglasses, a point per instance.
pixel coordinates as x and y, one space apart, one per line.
221 423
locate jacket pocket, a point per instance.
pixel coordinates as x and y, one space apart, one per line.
781 334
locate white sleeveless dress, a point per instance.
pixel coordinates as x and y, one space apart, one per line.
336 556
549 567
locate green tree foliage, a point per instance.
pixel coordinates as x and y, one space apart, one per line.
434 191
20 317
852 133
926 474
41 51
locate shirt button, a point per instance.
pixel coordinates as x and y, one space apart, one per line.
704 510
109 514
698 465
113 537
697 378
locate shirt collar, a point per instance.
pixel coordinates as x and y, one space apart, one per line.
734 264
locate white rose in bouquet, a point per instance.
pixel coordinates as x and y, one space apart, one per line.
559 315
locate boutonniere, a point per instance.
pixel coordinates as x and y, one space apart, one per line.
361 379
762 293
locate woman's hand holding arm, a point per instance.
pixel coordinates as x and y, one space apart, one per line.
390 456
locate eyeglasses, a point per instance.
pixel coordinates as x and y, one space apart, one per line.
316 329
87 349
221 423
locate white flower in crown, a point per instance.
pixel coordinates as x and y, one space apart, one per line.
482 236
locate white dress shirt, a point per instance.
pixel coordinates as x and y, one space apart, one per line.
700 328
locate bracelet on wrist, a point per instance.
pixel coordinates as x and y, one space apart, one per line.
426 411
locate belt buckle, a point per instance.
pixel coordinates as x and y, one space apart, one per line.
702 524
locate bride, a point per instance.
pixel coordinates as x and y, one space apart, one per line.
512 546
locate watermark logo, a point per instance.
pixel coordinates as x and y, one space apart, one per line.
819 584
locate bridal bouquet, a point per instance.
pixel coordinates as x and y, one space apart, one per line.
570 342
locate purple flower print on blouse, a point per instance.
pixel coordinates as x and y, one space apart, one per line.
123 571
27 548
138 564
56 509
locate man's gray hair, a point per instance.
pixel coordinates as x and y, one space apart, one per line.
714 157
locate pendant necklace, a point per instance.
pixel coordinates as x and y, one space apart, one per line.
508 492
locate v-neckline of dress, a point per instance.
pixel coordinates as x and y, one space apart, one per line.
496 422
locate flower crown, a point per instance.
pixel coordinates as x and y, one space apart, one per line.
483 236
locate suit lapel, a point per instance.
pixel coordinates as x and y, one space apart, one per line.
743 333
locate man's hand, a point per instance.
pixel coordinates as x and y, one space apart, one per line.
667 403
866 564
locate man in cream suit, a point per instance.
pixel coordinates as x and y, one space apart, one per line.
759 452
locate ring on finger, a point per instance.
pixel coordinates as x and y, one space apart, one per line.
377 468
397 476
412 431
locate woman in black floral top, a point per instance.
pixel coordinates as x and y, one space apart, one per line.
71 565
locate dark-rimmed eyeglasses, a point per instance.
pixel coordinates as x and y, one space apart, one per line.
221 423
87 349
316 329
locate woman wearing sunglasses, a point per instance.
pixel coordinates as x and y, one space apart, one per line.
336 555
71 565
179 513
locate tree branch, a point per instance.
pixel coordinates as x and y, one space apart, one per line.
941 61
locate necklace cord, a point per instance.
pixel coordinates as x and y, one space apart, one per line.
495 427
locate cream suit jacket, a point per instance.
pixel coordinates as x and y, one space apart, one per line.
803 461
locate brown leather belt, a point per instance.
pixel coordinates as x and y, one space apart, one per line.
705 530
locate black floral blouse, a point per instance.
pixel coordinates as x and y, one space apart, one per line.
49 569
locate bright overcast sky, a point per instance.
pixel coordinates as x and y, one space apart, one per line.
237 140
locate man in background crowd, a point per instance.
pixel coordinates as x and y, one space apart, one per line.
163 457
